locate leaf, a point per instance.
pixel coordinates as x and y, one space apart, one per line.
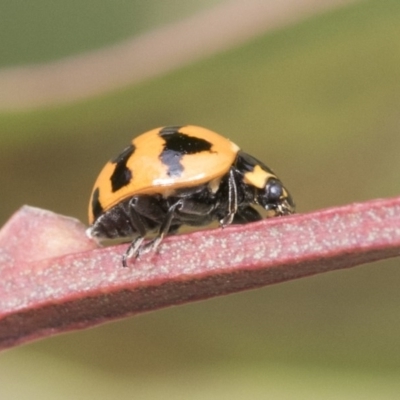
54 279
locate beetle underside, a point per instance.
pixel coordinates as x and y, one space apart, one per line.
139 215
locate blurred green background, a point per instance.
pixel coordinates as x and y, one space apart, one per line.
319 102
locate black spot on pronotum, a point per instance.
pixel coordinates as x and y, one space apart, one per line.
97 209
246 163
122 175
177 145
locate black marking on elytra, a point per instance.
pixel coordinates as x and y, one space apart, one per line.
176 146
124 155
169 130
97 209
122 175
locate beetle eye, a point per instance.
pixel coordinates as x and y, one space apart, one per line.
274 190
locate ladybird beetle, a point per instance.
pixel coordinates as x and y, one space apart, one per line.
180 175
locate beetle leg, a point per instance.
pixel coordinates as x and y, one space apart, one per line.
138 226
132 251
245 215
164 229
232 200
